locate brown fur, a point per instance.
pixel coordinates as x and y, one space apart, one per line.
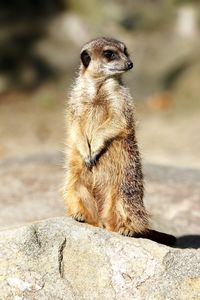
104 180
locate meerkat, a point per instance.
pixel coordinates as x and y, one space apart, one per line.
104 179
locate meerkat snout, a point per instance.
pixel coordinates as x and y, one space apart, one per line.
105 57
129 64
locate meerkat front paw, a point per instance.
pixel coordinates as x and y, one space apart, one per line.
78 217
126 232
90 161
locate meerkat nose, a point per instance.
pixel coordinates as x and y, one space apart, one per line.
129 64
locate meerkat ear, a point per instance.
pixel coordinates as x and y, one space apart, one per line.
85 58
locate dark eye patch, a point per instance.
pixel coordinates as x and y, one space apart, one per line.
85 58
110 54
125 51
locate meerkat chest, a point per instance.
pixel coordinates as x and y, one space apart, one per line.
92 117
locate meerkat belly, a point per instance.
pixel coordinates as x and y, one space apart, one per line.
111 166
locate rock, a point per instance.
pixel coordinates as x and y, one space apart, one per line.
30 189
173 198
62 259
186 88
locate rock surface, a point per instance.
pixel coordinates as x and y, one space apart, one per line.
30 189
173 197
63 259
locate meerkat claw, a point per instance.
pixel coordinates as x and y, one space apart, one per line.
78 217
126 232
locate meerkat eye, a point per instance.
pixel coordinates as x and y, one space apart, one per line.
125 51
109 54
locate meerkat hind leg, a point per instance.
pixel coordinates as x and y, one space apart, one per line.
114 216
75 207
124 227
129 223
80 205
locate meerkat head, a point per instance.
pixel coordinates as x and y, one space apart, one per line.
104 57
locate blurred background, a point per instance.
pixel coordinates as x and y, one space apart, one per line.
39 56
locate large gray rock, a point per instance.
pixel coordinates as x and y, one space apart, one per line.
62 259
